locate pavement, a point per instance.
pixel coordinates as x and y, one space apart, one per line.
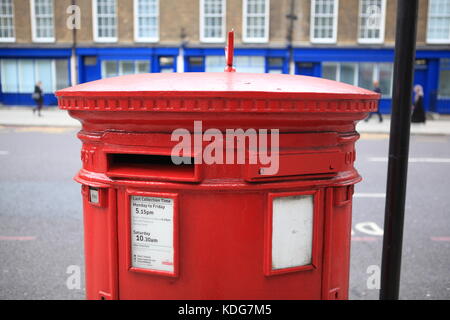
54 117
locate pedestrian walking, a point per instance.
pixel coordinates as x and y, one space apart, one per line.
418 114
377 89
38 97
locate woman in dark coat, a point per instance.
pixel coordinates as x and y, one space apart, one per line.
418 115
38 97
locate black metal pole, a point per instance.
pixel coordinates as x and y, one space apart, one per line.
405 46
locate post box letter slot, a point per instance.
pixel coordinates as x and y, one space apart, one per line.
146 166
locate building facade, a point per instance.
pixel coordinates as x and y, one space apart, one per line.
63 42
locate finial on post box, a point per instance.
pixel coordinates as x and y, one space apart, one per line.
229 52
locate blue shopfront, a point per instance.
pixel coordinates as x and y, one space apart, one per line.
255 60
22 68
97 63
362 67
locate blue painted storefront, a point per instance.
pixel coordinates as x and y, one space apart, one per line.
204 52
308 61
23 53
89 71
427 75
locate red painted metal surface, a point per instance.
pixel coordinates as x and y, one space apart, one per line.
222 212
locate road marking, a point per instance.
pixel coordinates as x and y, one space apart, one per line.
374 136
4 153
413 160
369 195
45 129
17 238
440 239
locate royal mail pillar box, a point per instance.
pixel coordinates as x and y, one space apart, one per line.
217 185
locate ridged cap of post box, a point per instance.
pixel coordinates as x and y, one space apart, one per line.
217 92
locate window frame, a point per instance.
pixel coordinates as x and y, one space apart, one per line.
245 37
202 23
428 39
95 24
13 38
333 39
34 36
382 25
137 38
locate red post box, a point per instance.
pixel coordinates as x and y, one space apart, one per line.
271 223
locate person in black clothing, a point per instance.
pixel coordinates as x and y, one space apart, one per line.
38 97
377 89
418 114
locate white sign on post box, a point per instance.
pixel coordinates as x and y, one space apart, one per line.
292 234
152 227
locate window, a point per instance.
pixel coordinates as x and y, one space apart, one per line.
212 20
343 72
6 21
9 75
21 75
371 21
114 68
324 15
196 61
42 21
215 63
444 79
146 20
275 64
105 20
361 74
385 75
166 64
256 20
247 64
438 21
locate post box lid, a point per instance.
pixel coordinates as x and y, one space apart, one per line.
221 91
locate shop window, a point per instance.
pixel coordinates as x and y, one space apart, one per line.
166 64
90 60
21 75
196 61
361 74
249 64
444 80
114 68
275 65
214 63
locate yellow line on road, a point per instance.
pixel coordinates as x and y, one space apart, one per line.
45 129
374 136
